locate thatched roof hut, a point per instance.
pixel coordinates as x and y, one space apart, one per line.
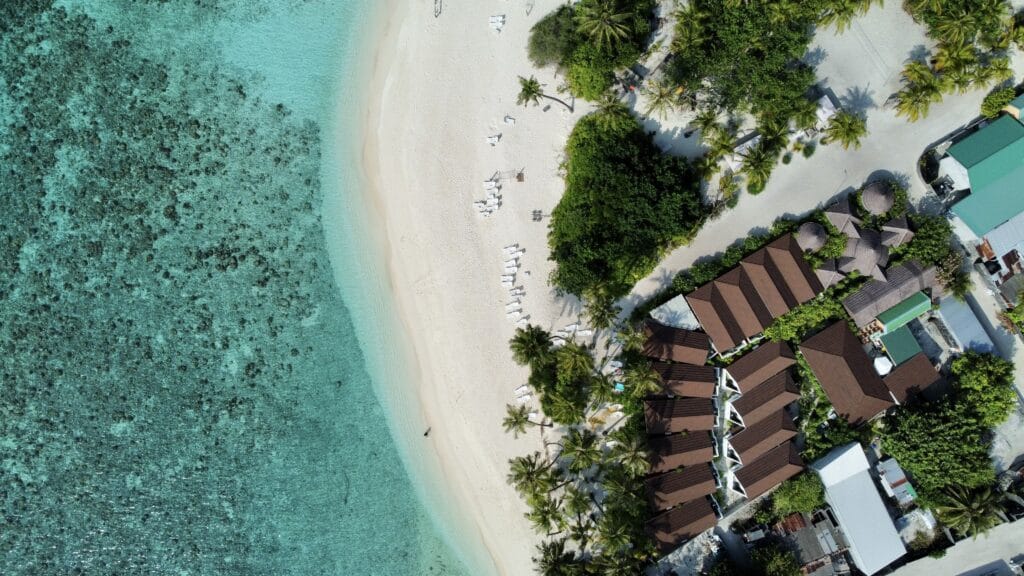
877 198
811 236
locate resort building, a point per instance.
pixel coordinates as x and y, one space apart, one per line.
771 469
677 450
740 304
765 399
673 415
754 441
846 374
758 365
850 492
670 344
912 378
672 528
877 296
687 379
961 327
678 486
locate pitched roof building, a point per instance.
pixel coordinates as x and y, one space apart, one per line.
911 378
687 379
846 374
741 303
670 415
766 398
876 296
756 440
771 469
672 528
673 488
675 344
758 365
993 158
675 450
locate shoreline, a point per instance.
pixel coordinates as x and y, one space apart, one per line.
439 254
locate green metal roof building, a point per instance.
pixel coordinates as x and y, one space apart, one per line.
899 315
900 345
994 160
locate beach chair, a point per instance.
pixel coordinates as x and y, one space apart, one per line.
521 389
510 120
493 140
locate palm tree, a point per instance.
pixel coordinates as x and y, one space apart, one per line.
563 410
845 128
662 98
706 120
997 70
690 31
580 446
574 361
841 13
613 532
757 166
913 103
554 559
602 390
529 474
953 55
632 339
603 22
630 454
622 564
601 311
642 381
546 514
719 141
806 114
953 27
782 11
530 345
531 91
611 111
517 418
970 512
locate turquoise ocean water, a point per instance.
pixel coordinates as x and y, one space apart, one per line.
182 390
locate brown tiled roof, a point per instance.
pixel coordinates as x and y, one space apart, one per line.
675 344
675 450
670 529
742 302
669 415
846 374
715 317
770 470
687 379
877 296
912 377
673 488
764 399
755 440
760 364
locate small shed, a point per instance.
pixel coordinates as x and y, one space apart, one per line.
901 314
900 345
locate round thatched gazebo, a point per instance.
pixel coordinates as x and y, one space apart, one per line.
877 198
811 236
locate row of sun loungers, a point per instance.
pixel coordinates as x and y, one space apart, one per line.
497 22
514 307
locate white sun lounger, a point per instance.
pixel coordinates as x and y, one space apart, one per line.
524 399
503 284
510 120
522 322
508 277
493 140
513 307
490 184
515 301
512 247
572 327
521 389
585 333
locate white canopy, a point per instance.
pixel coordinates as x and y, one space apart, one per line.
949 166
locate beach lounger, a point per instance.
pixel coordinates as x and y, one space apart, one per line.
584 332
521 389
532 415
503 284
493 140
512 247
524 399
510 120
508 277
514 307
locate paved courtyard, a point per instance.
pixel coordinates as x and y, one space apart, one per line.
990 555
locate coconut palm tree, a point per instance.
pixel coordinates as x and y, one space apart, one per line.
662 98
563 410
706 120
997 70
719 140
516 419
632 339
529 474
602 390
913 103
954 55
757 165
782 11
841 13
805 116
629 452
970 512
845 128
602 22
531 91
623 564
961 79
601 311
642 380
546 514
554 560
581 448
530 345
611 111
952 27
613 532
574 361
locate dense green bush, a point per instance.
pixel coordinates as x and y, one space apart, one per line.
984 384
563 38
996 101
801 494
625 203
795 324
933 244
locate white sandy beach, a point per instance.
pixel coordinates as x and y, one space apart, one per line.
442 86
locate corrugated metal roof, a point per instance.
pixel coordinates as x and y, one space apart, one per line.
900 345
899 315
1007 236
964 325
850 491
994 158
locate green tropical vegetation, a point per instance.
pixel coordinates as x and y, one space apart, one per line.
933 244
973 36
996 100
945 443
970 512
625 203
821 432
591 40
803 493
795 324
846 128
775 561
531 91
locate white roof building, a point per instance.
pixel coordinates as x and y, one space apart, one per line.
856 503
677 314
964 326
